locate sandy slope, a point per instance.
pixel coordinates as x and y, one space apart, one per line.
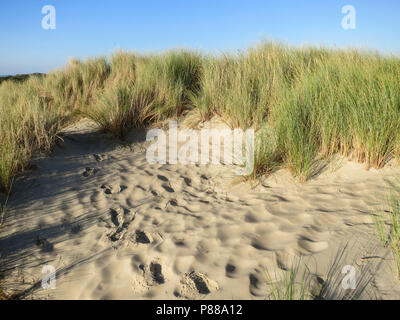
117 227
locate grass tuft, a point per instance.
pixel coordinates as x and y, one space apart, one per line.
387 224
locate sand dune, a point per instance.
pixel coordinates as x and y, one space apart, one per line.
116 227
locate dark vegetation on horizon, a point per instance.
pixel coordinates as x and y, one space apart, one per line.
21 77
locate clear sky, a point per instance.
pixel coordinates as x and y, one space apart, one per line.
86 28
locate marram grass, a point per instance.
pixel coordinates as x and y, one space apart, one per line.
315 102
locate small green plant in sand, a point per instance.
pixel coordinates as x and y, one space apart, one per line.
293 285
298 282
387 224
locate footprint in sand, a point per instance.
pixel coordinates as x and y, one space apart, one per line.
75 229
258 283
117 235
154 272
195 284
187 181
230 270
112 189
142 237
99 157
117 216
44 244
121 219
89 172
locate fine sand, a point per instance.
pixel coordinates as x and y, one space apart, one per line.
116 227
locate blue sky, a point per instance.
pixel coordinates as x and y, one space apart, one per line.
86 28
